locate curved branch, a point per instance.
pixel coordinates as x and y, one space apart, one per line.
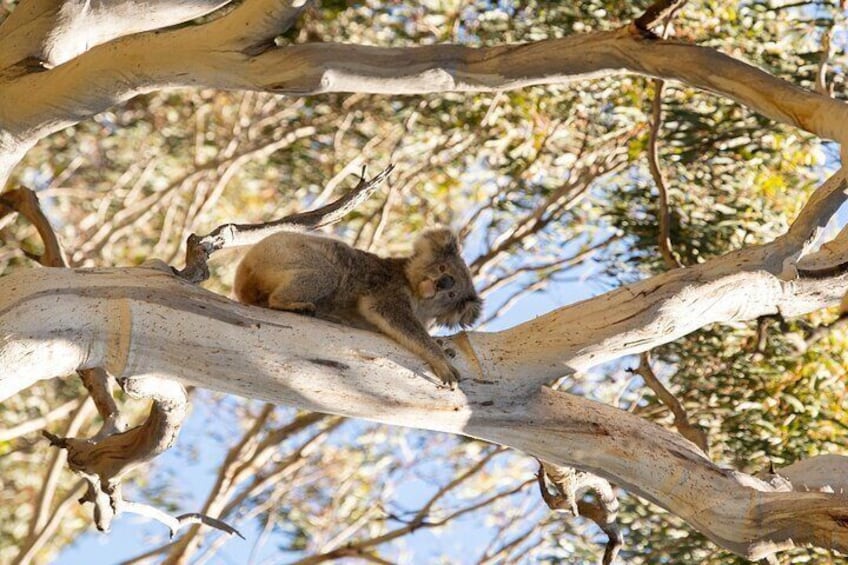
663 214
25 202
335 369
199 248
693 433
37 104
54 32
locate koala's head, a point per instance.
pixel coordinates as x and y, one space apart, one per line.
441 280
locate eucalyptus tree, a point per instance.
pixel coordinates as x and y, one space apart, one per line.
528 128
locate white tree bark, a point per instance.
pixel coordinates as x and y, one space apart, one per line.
236 51
61 62
141 322
55 31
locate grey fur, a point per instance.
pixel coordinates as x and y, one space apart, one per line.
400 297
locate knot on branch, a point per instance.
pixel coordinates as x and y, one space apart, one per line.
104 461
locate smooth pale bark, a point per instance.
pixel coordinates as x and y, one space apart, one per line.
221 54
140 322
146 323
143 322
55 31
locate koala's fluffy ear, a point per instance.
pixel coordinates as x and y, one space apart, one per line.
437 241
464 314
471 311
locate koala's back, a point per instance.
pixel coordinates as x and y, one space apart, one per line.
311 268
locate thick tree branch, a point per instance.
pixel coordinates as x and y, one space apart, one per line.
816 213
252 26
830 260
139 323
113 318
55 31
826 473
37 104
335 369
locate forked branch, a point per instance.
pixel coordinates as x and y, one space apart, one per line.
200 248
570 486
102 462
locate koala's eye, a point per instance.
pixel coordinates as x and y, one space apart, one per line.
451 295
442 268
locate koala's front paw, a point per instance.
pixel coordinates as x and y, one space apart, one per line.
448 374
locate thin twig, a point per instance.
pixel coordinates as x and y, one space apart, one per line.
500 556
419 520
821 73
35 424
243 461
551 267
25 202
50 482
34 545
175 523
199 248
656 12
681 420
608 159
663 214
666 9
819 332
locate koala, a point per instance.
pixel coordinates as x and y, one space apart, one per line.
400 297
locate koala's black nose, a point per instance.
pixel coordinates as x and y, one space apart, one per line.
445 283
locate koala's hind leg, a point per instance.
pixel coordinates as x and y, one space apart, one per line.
300 290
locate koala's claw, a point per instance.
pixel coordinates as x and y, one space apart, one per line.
449 377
